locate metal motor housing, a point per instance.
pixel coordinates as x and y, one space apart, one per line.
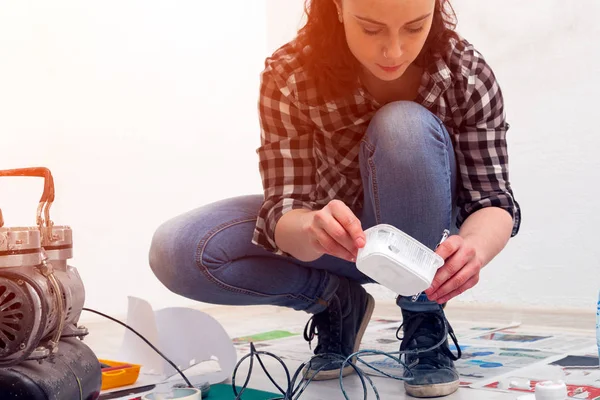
29 311
41 296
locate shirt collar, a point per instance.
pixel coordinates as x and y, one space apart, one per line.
436 80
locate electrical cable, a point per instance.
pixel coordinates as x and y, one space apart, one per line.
293 390
147 342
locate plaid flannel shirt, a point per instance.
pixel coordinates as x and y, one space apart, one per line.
309 149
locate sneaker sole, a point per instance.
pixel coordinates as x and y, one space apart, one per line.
429 391
328 375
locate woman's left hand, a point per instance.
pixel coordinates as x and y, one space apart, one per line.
460 271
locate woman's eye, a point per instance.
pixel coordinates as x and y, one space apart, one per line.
415 30
371 32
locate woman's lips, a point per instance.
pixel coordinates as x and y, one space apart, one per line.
392 68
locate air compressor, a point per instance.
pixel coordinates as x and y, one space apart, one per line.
42 354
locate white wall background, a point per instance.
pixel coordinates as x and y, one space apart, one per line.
547 58
141 109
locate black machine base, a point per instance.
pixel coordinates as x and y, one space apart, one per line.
73 373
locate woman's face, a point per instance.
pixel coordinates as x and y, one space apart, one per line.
386 36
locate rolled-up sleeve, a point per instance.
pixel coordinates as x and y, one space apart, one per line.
481 147
286 156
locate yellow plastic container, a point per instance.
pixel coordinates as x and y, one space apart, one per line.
119 377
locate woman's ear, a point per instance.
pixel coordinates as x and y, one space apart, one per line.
338 6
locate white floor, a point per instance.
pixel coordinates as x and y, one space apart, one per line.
105 339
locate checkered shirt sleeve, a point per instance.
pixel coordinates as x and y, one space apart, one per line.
286 159
481 146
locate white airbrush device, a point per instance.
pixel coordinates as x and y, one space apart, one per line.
398 261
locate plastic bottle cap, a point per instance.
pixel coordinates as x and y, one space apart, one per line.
550 390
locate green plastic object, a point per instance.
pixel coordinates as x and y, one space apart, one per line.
225 392
261 337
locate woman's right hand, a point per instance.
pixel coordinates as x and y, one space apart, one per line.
335 230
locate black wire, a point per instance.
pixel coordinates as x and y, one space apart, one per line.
253 353
145 340
265 369
294 391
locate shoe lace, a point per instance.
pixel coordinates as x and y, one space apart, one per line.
327 325
430 342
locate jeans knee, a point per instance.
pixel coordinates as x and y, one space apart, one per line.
189 253
173 260
405 128
160 258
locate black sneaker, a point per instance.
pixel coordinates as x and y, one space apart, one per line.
432 372
340 329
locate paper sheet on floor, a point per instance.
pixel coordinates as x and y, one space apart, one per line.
536 339
571 357
490 352
582 382
478 363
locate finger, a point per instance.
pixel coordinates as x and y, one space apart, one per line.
456 281
468 285
346 218
318 246
453 264
333 228
332 247
449 246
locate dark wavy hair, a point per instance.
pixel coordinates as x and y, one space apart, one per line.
331 64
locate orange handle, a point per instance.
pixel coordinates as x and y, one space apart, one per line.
48 194
40 172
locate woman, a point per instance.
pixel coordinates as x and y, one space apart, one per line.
377 112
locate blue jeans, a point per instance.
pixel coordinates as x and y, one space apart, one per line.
408 170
